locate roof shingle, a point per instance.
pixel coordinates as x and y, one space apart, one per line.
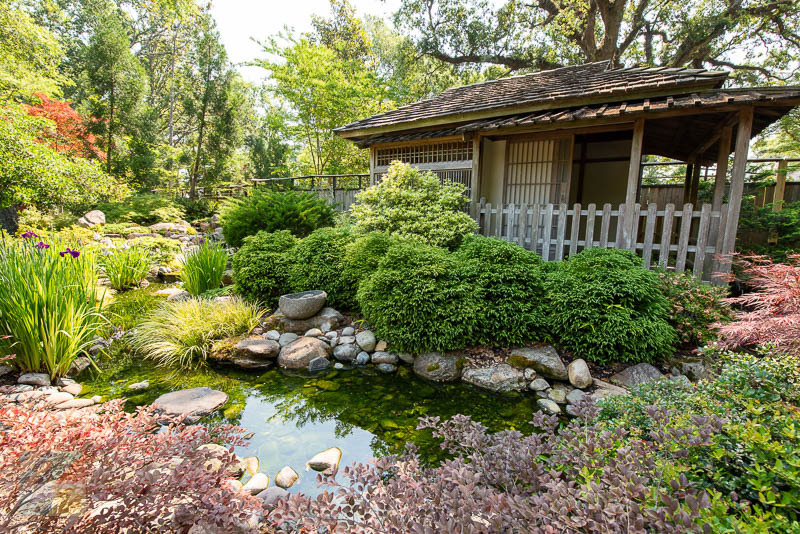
550 89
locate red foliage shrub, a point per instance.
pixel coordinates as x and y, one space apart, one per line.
579 479
103 470
771 314
71 135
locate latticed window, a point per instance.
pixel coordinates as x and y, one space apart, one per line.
422 154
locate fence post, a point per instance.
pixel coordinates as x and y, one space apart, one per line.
780 186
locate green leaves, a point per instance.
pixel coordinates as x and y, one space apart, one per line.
126 267
204 268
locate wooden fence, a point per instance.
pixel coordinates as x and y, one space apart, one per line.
661 195
679 240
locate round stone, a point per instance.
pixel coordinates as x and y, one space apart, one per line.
579 375
346 353
366 340
384 357
387 368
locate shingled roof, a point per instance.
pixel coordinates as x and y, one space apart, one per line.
558 88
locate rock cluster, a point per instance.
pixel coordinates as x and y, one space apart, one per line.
61 394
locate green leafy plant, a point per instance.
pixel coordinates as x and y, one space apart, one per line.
182 332
603 305
261 267
766 232
417 301
162 250
414 204
696 308
142 209
126 266
49 310
204 267
271 211
509 282
317 262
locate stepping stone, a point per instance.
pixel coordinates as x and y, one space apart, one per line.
258 348
196 402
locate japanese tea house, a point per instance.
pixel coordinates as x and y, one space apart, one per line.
552 160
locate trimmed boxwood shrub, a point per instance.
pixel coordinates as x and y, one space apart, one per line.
509 282
364 255
417 300
271 211
317 263
261 266
604 306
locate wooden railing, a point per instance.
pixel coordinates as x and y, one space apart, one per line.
675 239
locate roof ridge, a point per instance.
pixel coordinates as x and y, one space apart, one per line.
671 70
518 76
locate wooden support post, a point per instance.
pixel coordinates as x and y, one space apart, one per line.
743 131
628 239
780 186
474 184
722 167
695 185
687 182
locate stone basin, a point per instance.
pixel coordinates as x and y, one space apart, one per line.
302 305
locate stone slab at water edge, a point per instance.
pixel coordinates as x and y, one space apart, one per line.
543 359
197 402
302 305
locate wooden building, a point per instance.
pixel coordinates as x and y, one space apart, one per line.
552 160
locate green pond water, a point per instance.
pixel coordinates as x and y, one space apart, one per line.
293 415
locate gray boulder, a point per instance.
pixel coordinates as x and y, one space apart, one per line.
257 348
348 331
384 357
548 406
327 319
78 365
558 393
319 363
287 338
387 368
501 378
539 384
543 359
34 379
362 358
346 353
274 335
271 496
302 305
299 353
366 340
196 402
636 374
94 217
579 375
692 368
406 357
438 366
227 278
575 395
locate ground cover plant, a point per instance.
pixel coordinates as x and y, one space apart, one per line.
603 305
183 332
59 468
298 212
696 308
49 307
204 267
142 209
261 267
770 313
126 266
414 204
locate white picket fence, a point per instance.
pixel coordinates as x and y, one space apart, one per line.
678 240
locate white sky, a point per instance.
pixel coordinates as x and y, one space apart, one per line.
239 20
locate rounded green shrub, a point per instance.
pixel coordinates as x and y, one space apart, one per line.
415 204
317 263
604 306
509 282
364 255
271 211
261 266
417 301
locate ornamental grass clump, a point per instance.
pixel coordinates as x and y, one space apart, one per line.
126 266
49 310
182 332
204 268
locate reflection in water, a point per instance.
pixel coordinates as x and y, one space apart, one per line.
294 416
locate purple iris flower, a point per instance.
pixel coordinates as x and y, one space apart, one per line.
73 253
29 235
41 245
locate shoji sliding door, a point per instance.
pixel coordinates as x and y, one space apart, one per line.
538 171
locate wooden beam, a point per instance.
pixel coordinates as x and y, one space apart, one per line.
722 167
628 239
780 186
702 149
695 185
743 131
687 181
475 179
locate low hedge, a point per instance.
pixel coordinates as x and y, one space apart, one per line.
600 304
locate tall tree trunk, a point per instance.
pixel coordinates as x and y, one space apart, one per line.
196 167
172 100
110 129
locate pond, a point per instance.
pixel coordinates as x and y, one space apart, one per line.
293 415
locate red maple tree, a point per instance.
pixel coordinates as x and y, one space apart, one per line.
71 134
